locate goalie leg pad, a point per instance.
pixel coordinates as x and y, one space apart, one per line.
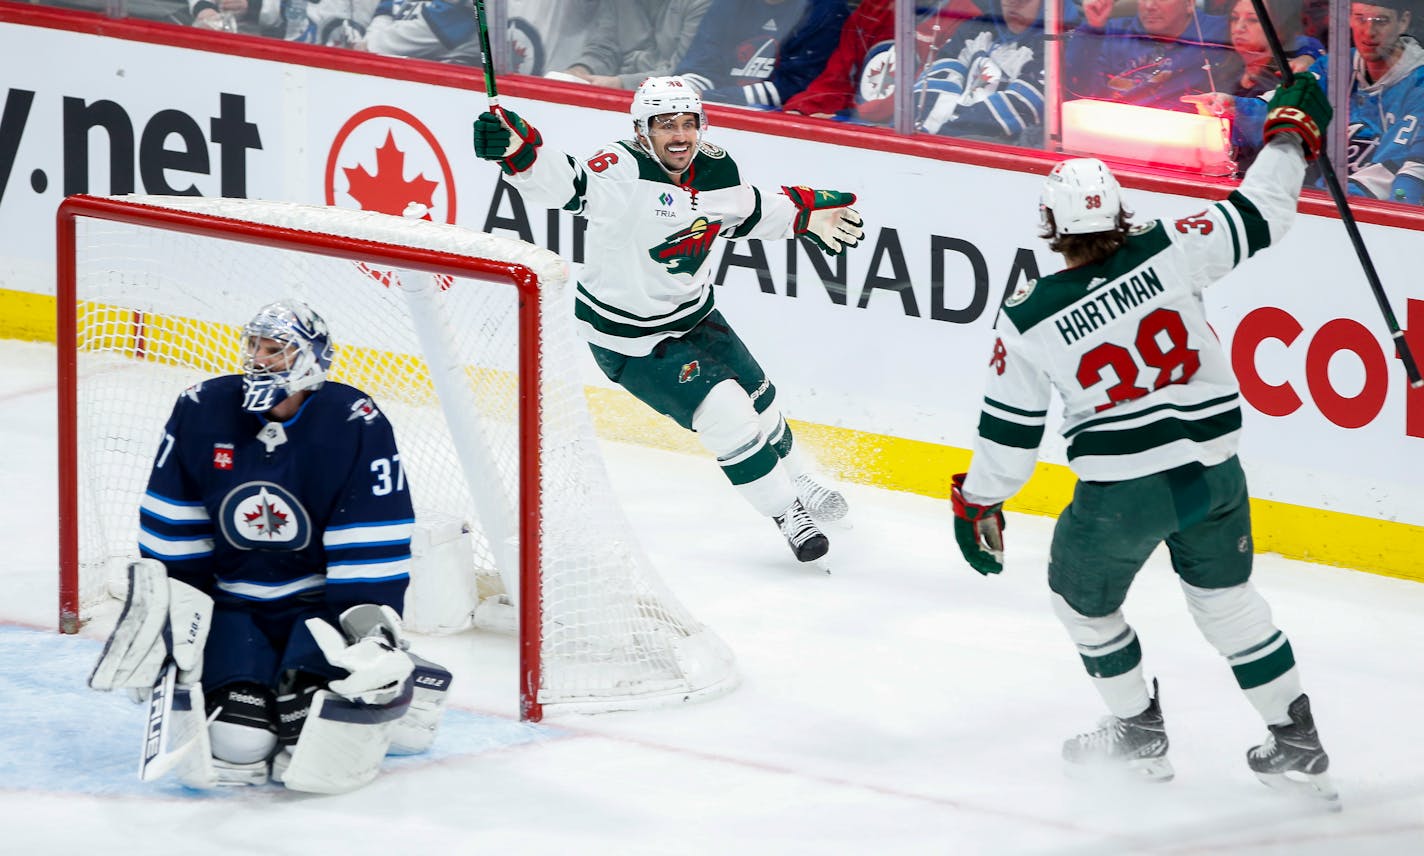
342 743
415 732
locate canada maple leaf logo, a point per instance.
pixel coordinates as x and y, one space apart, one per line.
387 190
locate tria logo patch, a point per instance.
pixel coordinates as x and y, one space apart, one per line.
684 252
689 372
222 456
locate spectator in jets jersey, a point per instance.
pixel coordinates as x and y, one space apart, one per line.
655 205
1166 51
858 80
277 512
1386 145
1152 416
987 82
758 53
442 30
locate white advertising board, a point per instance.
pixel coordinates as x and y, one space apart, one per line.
891 339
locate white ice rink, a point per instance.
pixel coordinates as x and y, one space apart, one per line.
901 705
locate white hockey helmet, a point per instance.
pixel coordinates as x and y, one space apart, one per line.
308 350
660 96
1083 195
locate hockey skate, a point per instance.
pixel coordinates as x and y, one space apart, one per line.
1137 745
1292 758
825 504
807 541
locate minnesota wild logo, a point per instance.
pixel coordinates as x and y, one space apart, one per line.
684 251
689 372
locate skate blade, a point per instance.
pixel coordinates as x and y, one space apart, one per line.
1318 787
1153 770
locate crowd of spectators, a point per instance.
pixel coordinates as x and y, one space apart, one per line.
979 67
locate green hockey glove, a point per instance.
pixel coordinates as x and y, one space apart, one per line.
1300 109
503 137
825 216
978 530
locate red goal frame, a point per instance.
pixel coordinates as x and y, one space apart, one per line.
521 277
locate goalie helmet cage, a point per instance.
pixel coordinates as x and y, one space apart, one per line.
465 342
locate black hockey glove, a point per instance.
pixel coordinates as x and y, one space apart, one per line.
503 137
978 530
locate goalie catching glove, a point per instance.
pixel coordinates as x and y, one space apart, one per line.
503 137
378 668
1300 109
978 530
825 216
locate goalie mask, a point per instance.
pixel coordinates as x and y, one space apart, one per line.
286 348
1083 195
661 96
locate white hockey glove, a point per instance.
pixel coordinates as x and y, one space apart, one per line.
1011 59
825 216
378 669
162 619
975 47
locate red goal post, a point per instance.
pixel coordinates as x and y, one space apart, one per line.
150 292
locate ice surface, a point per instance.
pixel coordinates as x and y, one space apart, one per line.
902 704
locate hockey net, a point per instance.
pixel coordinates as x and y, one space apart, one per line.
442 327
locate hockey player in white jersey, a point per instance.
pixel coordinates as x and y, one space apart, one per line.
655 204
1152 418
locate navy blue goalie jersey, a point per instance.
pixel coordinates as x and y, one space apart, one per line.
254 511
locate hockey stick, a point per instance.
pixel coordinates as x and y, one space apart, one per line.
174 728
1401 347
486 57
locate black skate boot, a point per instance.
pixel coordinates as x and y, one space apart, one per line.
1292 758
806 540
1137 744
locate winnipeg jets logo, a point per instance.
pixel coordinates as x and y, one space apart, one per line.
265 519
365 410
262 515
685 251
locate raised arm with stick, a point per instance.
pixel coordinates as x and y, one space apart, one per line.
500 134
1401 346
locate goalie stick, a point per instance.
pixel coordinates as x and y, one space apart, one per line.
1332 182
174 729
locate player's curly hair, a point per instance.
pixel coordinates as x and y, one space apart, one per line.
1089 247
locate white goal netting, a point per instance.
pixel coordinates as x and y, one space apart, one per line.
157 308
